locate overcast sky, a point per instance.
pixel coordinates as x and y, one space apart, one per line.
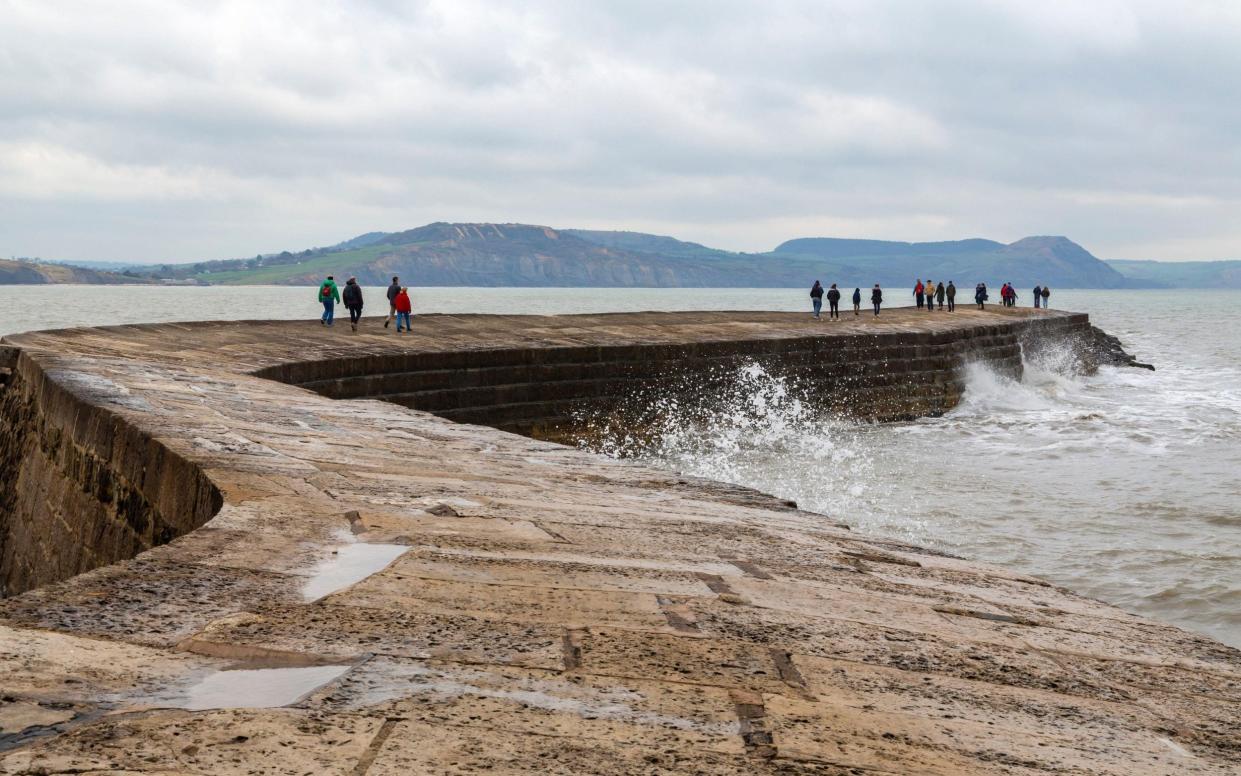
155 130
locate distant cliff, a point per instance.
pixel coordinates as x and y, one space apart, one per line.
448 254
1181 274
1054 261
40 273
444 254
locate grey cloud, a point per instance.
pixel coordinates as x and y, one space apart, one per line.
155 131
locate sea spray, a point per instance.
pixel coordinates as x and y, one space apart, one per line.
754 428
1118 483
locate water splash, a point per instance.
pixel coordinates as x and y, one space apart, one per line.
1119 484
756 429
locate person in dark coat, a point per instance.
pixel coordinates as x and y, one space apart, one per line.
816 298
952 296
857 301
1038 297
940 292
980 295
393 290
1046 298
876 298
352 297
833 302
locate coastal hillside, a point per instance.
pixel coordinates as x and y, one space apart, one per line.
444 254
1181 274
28 273
447 254
460 254
1055 261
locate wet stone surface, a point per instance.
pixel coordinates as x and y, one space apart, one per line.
382 590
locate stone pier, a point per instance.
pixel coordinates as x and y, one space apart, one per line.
277 548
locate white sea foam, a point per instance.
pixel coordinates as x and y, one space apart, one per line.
1120 484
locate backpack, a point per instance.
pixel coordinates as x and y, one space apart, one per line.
325 292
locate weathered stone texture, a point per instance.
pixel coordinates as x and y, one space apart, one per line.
480 601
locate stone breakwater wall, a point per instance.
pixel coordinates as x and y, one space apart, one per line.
88 488
546 392
82 487
383 590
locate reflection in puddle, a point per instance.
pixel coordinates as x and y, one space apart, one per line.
262 688
349 564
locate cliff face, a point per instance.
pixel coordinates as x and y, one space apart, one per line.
1054 261
510 255
444 254
522 255
36 273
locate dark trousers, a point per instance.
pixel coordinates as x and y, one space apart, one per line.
834 312
876 304
354 314
919 297
952 304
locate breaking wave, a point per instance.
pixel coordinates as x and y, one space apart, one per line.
1082 479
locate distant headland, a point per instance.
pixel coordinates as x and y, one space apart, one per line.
459 254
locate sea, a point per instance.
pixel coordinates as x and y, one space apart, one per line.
1123 485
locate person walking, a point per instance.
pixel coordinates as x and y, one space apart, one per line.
919 292
939 295
352 296
1038 297
329 295
403 309
833 302
393 290
1046 297
876 298
980 294
816 298
857 301
930 296
952 296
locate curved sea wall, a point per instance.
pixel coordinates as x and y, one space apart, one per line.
83 487
436 596
544 392
89 489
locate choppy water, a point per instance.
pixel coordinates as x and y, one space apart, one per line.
1123 485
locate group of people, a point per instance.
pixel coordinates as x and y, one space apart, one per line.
1041 294
930 294
833 300
926 296
399 305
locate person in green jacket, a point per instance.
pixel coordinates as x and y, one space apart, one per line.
328 296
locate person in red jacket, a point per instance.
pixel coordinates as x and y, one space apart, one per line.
403 309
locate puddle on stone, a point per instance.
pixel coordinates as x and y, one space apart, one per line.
350 563
262 688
